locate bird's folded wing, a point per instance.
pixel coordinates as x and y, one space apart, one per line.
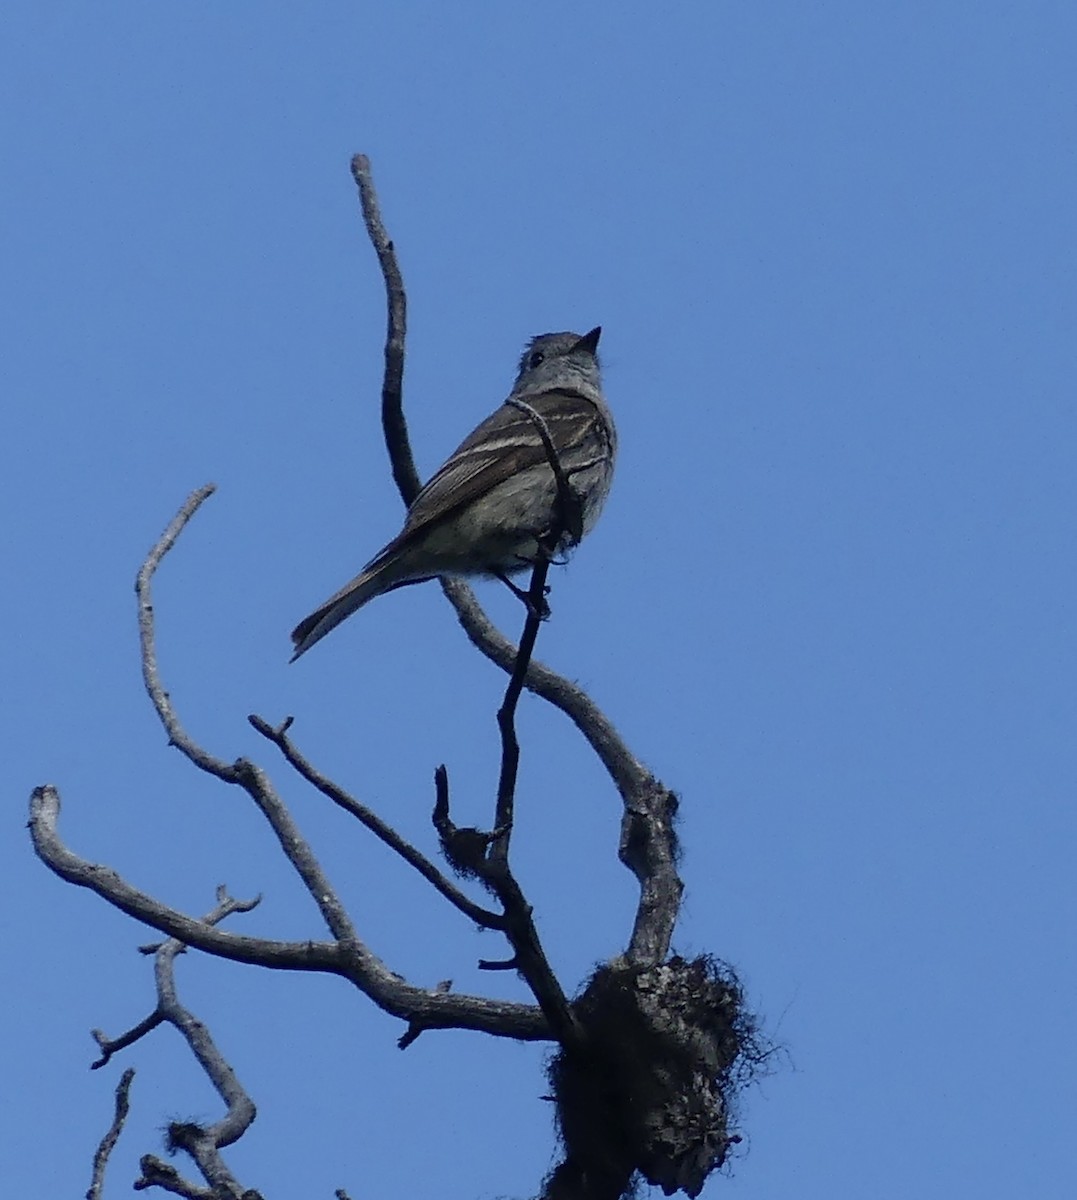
506 443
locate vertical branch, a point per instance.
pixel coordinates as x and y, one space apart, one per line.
506 714
567 518
392 404
108 1142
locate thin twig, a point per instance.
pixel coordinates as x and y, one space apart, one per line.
110 1046
506 714
160 699
529 957
566 518
279 737
159 1174
204 1143
392 408
104 1150
492 865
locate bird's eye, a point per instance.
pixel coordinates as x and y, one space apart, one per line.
536 357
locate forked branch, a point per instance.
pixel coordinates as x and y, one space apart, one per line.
648 842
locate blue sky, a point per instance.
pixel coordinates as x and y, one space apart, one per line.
832 248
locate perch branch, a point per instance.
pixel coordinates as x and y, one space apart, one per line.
506 714
648 842
492 864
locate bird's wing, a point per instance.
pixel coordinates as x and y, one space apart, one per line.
506 443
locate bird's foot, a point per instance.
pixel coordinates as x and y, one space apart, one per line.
539 610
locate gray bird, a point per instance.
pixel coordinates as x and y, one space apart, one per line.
485 510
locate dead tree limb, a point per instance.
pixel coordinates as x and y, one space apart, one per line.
648 1054
112 1135
648 842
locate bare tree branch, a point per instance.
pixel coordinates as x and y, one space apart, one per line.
664 1113
487 855
381 829
202 1143
350 960
292 956
157 1173
649 1050
108 1142
506 714
110 1046
392 408
162 703
648 843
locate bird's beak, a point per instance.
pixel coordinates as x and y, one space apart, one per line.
589 341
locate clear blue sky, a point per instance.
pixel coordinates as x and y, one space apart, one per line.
831 601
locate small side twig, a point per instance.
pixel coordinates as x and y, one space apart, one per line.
203 1144
108 1142
110 1046
173 946
529 958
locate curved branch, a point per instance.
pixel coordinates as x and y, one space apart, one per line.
162 703
242 773
392 408
110 886
629 775
648 843
627 772
352 961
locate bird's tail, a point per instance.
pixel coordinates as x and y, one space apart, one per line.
376 578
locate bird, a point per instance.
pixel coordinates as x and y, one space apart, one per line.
496 498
